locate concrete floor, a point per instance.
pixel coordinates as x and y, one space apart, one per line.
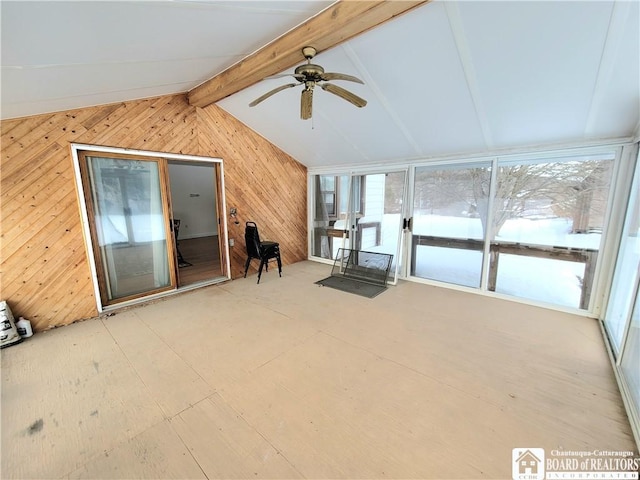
287 379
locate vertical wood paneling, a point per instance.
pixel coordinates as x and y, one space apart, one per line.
44 269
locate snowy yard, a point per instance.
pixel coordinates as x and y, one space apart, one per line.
546 280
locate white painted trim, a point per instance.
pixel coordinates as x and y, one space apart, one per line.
565 148
85 228
502 296
225 230
606 240
310 214
627 196
621 182
408 213
146 153
486 253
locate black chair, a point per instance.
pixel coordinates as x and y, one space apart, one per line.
263 251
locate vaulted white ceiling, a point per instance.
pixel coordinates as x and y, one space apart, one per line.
447 78
59 55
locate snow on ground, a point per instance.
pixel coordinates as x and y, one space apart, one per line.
547 280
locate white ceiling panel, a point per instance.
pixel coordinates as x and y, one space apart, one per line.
71 53
425 87
319 138
446 78
536 65
124 31
83 80
615 108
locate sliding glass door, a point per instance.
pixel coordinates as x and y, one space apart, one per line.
127 207
625 280
359 211
629 365
622 316
377 214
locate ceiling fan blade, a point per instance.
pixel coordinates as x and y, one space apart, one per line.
271 92
340 76
342 93
306 103
297 76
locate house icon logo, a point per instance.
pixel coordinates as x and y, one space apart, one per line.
527 463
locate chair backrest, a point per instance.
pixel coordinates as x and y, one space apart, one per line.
252 240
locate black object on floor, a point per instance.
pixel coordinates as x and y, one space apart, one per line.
176 230
359 272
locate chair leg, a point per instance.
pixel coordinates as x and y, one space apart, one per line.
262 262
279 264
246 266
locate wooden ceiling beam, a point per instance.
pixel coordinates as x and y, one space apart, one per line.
337 23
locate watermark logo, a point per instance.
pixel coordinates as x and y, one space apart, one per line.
527 463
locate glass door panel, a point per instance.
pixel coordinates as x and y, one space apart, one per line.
627 270
362 212
127 203
631 357
377 213
196 210
449 222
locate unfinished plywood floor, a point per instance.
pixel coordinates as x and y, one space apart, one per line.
287 379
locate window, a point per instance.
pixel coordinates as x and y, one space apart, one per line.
534 234
329 194
331 200
548 217
530 226
449 219
333 196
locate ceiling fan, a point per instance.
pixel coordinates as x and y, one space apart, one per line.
309 75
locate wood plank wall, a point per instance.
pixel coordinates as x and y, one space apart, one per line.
265 185
44 270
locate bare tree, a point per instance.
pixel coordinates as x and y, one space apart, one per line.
573 189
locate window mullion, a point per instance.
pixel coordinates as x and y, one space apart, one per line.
486 257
